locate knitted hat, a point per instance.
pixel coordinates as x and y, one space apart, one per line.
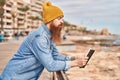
50 12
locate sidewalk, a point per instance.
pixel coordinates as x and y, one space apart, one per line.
7 50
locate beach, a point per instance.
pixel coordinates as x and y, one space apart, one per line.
103 65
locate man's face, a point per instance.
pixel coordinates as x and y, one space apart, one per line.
58 22
55 28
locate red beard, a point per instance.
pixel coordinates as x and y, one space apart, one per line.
56 34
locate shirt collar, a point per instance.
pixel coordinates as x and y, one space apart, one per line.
46 29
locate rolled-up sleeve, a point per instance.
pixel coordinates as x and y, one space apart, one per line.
42 51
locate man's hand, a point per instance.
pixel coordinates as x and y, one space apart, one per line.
79 61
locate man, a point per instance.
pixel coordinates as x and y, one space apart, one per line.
38 50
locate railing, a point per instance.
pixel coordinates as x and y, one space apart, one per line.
59 75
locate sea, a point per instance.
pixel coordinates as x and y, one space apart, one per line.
116 40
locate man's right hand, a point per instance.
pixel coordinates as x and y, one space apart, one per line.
79 62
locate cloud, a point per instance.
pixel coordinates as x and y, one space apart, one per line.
88 12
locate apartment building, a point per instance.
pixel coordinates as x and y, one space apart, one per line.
18 19
35 13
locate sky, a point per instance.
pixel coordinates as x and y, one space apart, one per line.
93 14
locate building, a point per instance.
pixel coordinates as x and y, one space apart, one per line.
20 16
35 16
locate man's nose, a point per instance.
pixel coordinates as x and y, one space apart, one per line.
62 21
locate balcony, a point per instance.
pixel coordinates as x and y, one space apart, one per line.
39 2
7 20
21 17
21 22
7 14
8 8
8 26
21 12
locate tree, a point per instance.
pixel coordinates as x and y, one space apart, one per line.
14 14
2 3
34 18
24 9
66 23
41 14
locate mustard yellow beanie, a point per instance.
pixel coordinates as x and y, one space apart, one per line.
50 12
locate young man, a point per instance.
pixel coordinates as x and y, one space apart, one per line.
38 50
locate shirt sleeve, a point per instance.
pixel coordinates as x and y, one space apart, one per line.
57 55
42 51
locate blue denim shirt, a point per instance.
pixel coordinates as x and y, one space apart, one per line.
35 53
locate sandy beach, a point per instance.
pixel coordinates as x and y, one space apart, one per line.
104 64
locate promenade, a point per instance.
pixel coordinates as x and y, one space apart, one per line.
7 50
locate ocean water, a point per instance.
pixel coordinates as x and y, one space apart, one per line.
116 41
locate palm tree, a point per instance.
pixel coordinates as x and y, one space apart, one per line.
24 9
41 14
2 3
13 13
